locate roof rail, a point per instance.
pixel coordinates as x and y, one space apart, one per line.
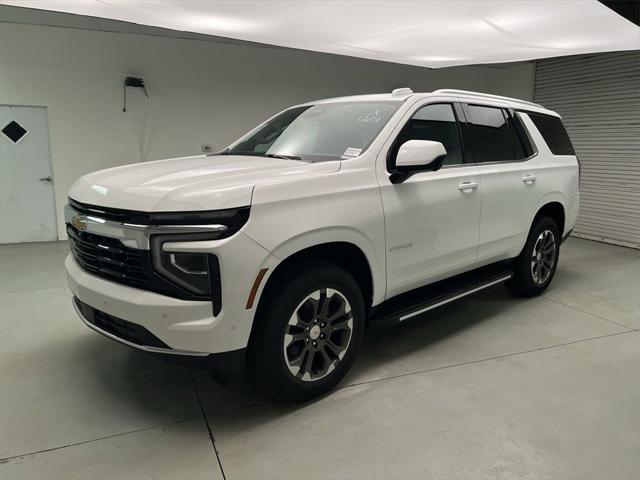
485 95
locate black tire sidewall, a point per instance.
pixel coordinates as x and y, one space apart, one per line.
523 277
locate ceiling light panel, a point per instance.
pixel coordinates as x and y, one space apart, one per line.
425 33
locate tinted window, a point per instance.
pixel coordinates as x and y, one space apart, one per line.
437 123
553 132
521 144
490 136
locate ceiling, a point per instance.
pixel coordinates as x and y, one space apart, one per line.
428 33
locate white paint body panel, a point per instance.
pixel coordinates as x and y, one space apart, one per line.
431 226
507 207
341 206
411 234
190 183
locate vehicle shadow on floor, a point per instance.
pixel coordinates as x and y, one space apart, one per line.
136 383
384 350
382 347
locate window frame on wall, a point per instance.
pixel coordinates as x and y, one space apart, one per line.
458 119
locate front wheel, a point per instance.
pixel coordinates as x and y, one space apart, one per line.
308 332
535 267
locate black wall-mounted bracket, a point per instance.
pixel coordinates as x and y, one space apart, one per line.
134 82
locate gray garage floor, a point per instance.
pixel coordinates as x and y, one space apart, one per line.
489 387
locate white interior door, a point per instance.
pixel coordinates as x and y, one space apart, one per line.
27 207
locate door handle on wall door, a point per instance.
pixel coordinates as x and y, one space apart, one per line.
47 179
529 179
467 187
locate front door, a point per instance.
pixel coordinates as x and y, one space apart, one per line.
431 219
27 208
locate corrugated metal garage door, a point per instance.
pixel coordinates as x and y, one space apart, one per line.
598 97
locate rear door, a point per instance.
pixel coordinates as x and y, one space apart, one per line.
431 219
509 173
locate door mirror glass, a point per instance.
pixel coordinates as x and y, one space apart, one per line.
417 156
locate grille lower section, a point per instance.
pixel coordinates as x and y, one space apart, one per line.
108 257
131 332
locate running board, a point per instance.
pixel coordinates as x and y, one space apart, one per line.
415 302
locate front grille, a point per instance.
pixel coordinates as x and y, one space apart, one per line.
129 331
108 258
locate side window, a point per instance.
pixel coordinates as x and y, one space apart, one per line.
520 139
489 132
435 122
553 132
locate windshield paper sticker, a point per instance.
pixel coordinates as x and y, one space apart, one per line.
351 152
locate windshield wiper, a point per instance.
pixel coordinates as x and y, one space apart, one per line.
277 155
221 152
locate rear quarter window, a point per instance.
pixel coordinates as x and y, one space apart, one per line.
553 132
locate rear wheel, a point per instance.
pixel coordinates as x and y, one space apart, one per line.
308 332
535 267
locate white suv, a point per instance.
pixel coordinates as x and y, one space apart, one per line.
275 254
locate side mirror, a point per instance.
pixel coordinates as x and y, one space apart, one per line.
417 156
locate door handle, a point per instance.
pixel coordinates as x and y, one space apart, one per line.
467 187
529 179
48 179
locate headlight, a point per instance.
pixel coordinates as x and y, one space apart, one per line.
194 272
187 270
197 273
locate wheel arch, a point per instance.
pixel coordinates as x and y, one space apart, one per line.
553 209
323 242
344 254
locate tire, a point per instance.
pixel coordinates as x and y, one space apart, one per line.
308 331
532 275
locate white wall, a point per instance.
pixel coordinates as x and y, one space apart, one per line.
202 91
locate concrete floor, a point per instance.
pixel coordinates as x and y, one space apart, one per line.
488 387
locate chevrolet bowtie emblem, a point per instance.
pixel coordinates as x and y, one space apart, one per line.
80 223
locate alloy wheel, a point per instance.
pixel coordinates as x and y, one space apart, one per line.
318 335
543 257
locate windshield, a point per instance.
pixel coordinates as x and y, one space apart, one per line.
328 131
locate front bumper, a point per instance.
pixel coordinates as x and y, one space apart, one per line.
222 365
185 326
123 331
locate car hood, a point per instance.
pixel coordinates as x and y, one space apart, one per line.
189 183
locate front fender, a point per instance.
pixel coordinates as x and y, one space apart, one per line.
319 236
